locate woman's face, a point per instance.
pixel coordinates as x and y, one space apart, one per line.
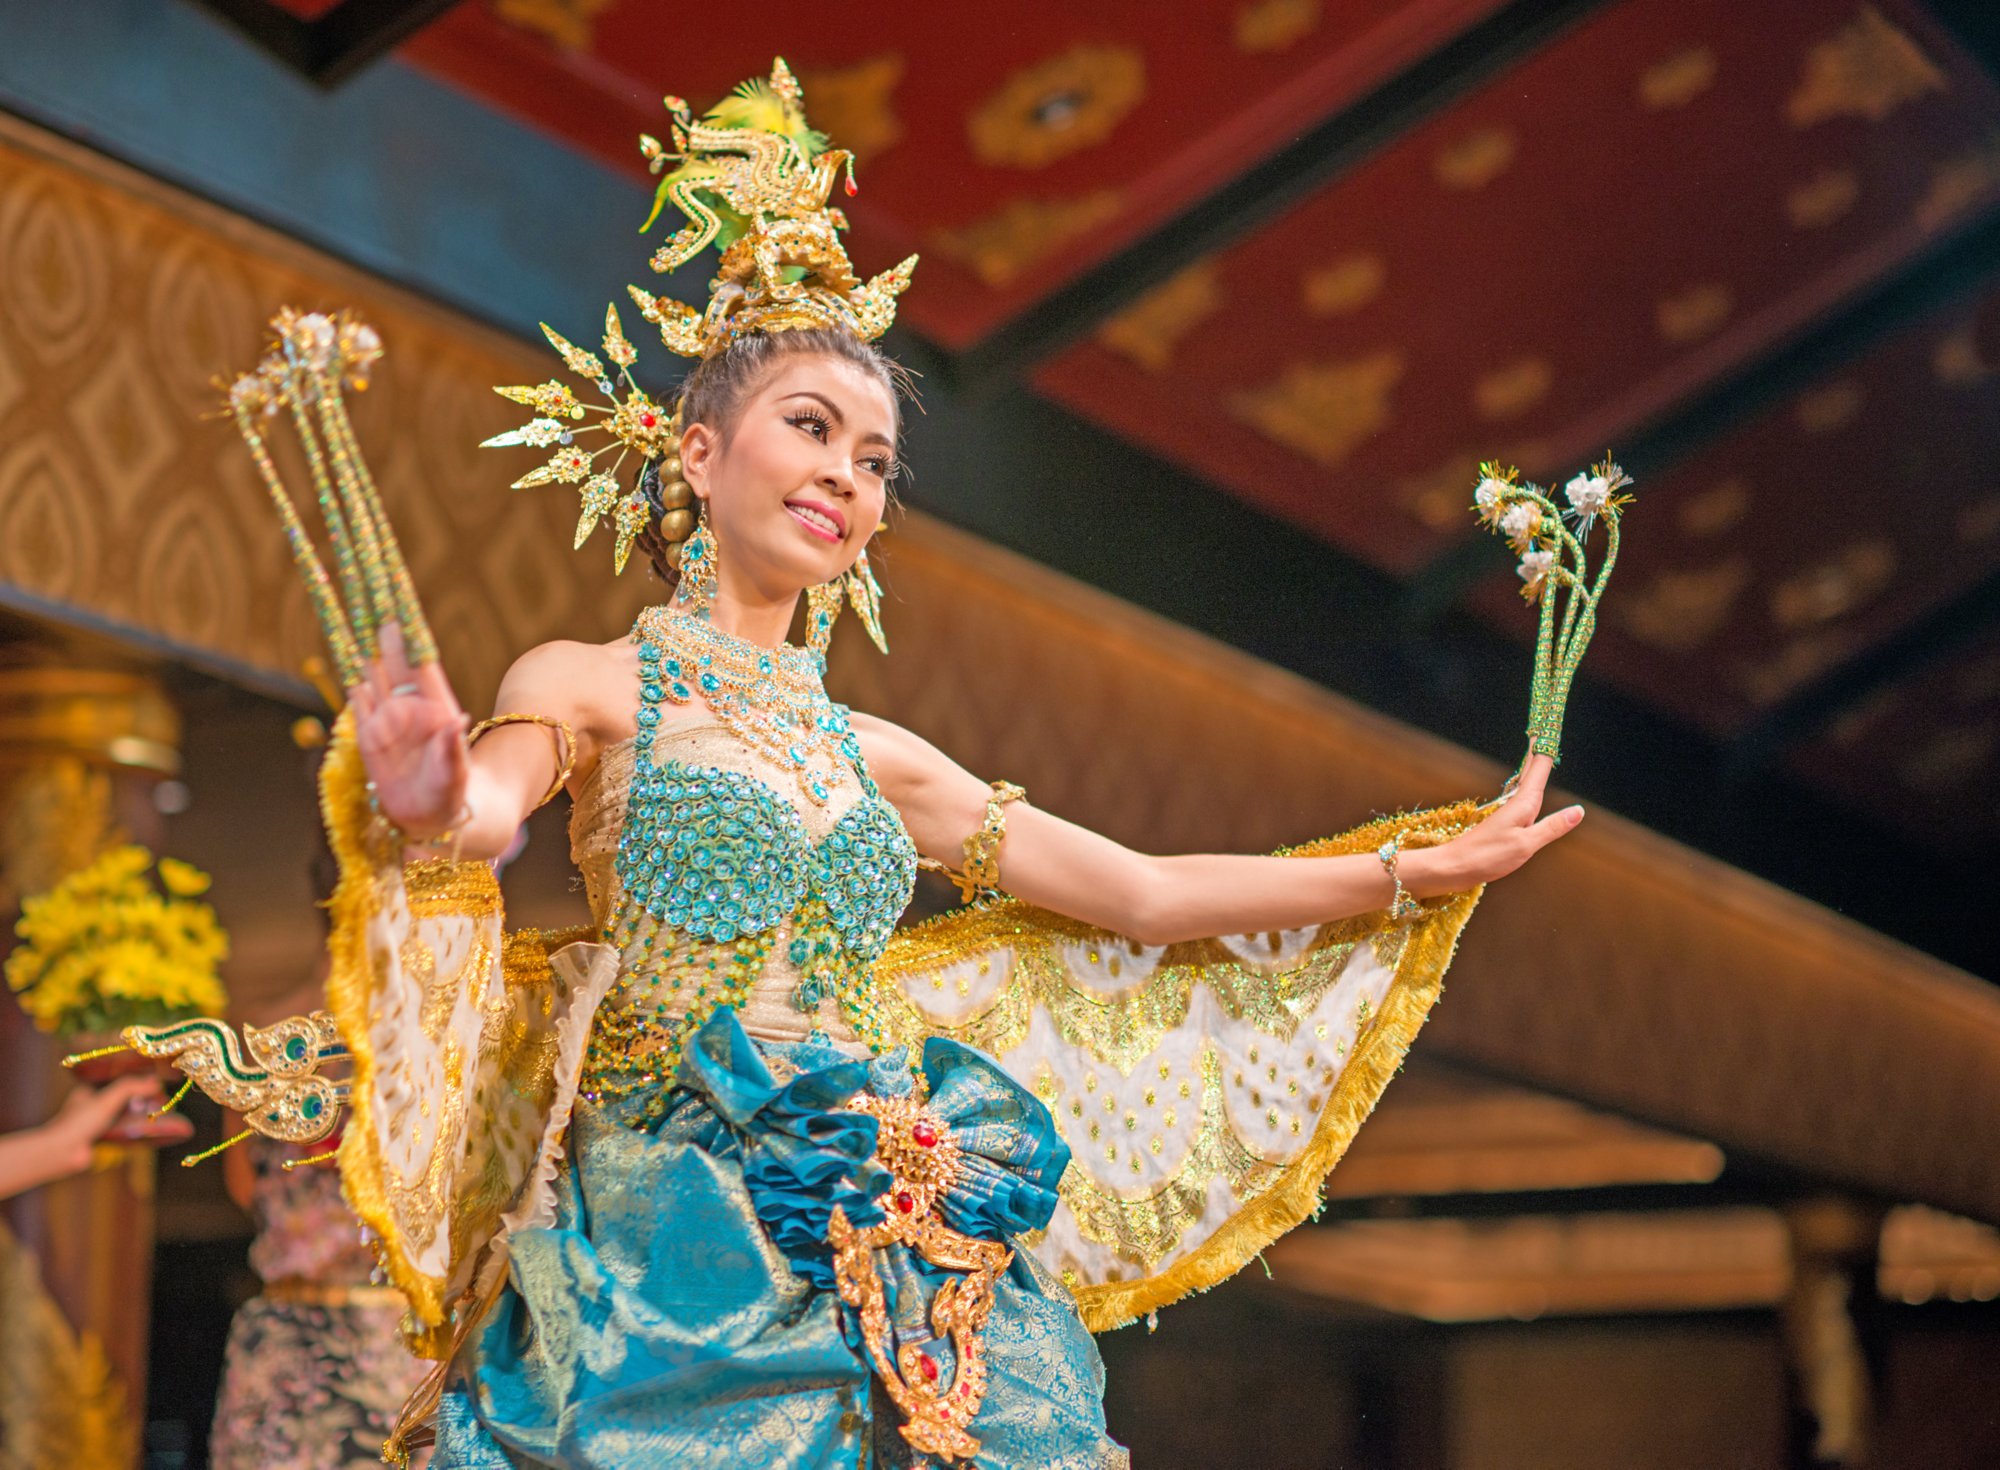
799 484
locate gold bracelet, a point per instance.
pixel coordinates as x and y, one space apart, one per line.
1403 904
982 848
565 763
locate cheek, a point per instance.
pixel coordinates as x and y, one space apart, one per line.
869 506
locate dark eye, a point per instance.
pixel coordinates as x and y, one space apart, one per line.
880 468
814 424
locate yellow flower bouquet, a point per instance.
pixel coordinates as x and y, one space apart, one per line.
105 949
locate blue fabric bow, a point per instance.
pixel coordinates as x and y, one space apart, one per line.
803 1153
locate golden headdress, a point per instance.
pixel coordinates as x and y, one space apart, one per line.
752 179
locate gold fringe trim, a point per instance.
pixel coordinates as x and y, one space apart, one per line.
1294 1196
356 901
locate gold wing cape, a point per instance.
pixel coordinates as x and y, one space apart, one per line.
1205 1088
466 1043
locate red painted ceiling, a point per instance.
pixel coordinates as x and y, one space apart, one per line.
1650 201
1659 197
1012 146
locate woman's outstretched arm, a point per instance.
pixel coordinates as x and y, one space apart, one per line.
411 734
1071 870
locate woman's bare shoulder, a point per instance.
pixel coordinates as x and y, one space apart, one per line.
584 683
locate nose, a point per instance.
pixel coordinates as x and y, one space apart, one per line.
838 477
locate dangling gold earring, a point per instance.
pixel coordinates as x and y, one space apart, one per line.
866 595
697 568
822 608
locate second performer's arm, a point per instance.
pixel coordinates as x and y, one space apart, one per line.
1060 866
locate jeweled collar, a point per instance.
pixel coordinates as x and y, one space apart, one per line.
772 699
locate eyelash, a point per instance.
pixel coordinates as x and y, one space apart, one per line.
883 469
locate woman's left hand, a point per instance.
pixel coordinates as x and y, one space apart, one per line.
1514 832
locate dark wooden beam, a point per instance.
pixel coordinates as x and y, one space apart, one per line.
1269 187
1975 25
1929 640
338 44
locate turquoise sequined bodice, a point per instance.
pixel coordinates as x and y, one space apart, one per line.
734 871
720 855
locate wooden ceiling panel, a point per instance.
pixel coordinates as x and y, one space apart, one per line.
1013 146
1651 201
1923 755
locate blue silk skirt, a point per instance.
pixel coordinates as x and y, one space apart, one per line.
681 1309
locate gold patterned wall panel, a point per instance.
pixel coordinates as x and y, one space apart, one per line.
124 498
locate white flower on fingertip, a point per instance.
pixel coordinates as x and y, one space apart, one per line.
1520 521
1588 494
1534 573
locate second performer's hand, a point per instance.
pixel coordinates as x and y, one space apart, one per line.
411 734
1511 834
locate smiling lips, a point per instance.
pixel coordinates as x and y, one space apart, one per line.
822 520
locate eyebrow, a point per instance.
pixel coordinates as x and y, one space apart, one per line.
840 418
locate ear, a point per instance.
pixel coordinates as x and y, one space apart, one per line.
699 446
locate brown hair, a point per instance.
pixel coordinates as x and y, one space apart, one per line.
718 387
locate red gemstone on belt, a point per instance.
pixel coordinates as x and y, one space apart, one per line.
924 1133
927 1365
905 1202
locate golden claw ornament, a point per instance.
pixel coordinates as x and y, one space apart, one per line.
753 180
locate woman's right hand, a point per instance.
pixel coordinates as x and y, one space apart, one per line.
411 734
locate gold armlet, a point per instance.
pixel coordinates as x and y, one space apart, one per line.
982 849
566 759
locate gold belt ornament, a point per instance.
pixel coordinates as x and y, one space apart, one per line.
917 1149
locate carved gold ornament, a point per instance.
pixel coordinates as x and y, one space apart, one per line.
277 1087
1867 69
1056 107
1003 245
1949 758
1958 185
1682 609
1325 411
1511 391
1835 587
853 104
1151 328
1264 26
570 24
1694 313
1956 363
1476 159
1716 509
1344 285
918 1150
1825 197
1830 406
1436 498
1678 80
